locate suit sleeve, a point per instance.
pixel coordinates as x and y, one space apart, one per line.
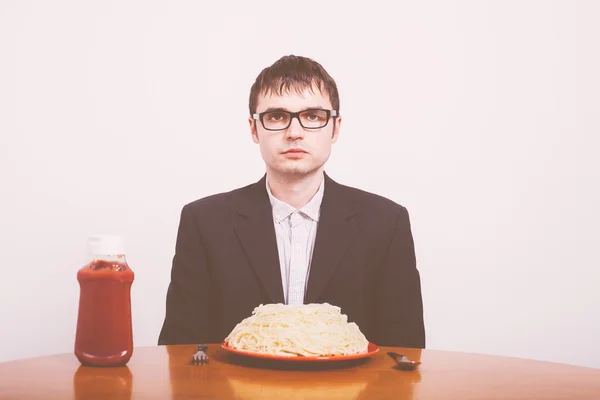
187 317
398 301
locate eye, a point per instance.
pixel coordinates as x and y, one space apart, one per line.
315 116
276 116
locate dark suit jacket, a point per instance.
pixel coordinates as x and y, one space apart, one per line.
226 263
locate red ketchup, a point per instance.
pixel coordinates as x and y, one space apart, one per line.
104 335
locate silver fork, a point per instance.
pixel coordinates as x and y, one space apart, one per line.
200 356
403 362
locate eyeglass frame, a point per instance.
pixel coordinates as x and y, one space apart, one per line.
259 117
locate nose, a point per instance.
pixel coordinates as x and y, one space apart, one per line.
295 130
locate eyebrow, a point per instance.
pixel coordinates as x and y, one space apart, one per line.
285 109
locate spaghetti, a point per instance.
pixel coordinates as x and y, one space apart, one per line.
298 330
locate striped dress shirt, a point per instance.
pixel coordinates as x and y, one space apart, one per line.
295 230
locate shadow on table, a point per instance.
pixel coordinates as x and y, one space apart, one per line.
350 380
102 383
196 381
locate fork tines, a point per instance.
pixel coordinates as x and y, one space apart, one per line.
200 356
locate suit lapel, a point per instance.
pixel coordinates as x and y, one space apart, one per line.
256 233
335 233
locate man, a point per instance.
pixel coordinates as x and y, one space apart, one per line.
295 236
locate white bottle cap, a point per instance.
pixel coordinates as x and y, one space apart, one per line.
106 245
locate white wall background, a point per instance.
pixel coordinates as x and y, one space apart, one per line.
482 118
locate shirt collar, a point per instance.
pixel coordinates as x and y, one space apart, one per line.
282 210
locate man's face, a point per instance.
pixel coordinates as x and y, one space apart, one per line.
295 151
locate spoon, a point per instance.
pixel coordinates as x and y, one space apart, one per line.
403 362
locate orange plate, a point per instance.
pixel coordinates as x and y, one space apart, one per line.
371 350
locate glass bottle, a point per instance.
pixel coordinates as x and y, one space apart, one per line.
104 335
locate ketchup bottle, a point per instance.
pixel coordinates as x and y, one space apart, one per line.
104 334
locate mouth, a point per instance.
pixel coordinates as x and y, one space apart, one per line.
295 154
295 151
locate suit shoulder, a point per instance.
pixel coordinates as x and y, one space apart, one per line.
370 201
214 202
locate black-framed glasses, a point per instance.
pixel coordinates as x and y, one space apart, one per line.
278 120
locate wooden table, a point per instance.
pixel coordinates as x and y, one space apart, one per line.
163 372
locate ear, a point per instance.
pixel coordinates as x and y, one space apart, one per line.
336 129
253 131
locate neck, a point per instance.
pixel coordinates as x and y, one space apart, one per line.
295 191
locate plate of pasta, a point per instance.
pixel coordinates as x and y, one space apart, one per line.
300 333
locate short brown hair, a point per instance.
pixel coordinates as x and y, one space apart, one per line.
294 73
